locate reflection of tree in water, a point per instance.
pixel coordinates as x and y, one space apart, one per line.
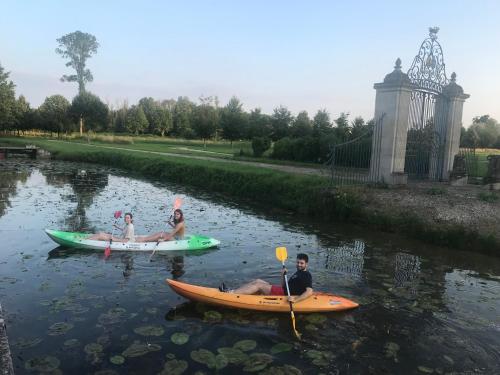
347 259
406 271
86 184
9 177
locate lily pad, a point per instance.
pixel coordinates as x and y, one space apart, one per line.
149 330
113 316
257 362
245 345
220 361
24 343
59 328
137 348
316 318
212 316
174 367
93 348
42 364
281 347
117 360
204 356
179 338
425 370
71 343
391 350
282 370
233 355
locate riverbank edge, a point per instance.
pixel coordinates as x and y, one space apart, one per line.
300 194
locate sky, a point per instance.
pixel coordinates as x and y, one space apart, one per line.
305 55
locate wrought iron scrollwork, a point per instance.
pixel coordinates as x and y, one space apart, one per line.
428 69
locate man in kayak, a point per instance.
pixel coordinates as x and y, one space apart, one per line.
300 284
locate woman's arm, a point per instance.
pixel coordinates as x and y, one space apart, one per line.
170 235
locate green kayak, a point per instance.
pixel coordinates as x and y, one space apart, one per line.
79 240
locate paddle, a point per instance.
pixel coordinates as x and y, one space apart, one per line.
177 205
107 250
281 254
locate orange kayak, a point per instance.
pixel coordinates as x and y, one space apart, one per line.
318 302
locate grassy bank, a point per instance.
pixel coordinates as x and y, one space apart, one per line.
310 195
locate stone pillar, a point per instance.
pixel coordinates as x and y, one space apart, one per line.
454 97
392 101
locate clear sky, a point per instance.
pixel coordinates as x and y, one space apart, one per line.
306 55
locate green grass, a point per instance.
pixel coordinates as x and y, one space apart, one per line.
489 197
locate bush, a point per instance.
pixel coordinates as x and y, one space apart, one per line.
260 145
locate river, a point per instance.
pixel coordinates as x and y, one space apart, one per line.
423 309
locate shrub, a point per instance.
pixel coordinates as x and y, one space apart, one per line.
260 145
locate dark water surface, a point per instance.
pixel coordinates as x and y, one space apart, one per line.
423 309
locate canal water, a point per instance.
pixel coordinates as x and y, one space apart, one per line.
423 309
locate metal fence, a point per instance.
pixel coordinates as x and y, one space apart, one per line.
350 162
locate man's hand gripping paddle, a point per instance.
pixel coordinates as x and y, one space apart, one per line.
281 254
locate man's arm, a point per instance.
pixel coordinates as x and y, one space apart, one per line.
308 293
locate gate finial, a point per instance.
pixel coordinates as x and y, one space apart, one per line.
433 32
398 64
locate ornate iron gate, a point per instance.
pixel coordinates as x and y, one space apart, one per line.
426 118
351 163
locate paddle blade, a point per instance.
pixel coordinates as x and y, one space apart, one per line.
107 251
281 254
118 214
293 325
177 203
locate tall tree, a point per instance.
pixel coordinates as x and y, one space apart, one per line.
233 120
301 126
205 119
259 124
89 110
182 116
321 123
77 47
342 129
136 121
280 121
7 101
54 114
22 111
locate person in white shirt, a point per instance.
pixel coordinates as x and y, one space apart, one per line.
126 236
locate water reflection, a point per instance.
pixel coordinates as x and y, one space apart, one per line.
86 185
406 271
346 259
10 176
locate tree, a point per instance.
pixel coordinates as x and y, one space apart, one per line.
21 113
259 124
321 123
280 121
7 101
233 120
342 129
301 126
54 114
181 117
136 121
89 110
77 47
205 119
159 117
487 130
